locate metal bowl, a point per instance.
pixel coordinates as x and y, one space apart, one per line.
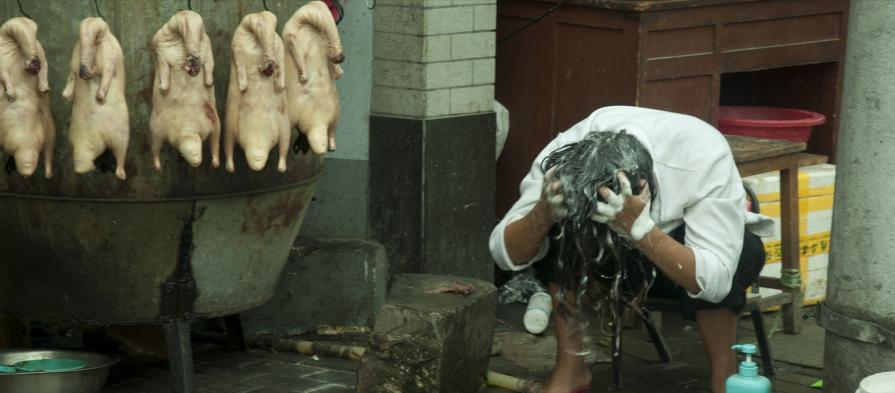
89 379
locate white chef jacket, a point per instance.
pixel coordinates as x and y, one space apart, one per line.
698 185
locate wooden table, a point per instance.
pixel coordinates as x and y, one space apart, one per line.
754 156
683 56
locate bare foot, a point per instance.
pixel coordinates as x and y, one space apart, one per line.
568 379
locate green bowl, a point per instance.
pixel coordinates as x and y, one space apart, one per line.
50 365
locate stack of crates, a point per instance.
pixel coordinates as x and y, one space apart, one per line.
816 186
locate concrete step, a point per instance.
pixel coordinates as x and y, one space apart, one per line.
327 282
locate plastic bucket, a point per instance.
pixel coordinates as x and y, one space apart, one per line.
878 383
769 123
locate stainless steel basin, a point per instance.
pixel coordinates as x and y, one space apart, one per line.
89 379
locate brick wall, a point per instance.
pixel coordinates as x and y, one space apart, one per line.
433 58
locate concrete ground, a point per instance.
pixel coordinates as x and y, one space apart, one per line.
798 358
222 370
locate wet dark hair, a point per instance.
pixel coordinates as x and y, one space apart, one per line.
593 262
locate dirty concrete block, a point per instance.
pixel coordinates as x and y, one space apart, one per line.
326 282
424 341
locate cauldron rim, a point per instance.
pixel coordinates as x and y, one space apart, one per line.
310 180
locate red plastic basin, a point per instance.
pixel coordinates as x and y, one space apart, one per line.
770 123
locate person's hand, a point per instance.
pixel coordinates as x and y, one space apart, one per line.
627 214
552 195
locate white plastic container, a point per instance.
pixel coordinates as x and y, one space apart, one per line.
878 383
537 316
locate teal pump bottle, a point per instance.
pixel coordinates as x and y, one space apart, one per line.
747 380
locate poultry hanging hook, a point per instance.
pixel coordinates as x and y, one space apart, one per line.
264 2
189 4
341 11
96 4
22 10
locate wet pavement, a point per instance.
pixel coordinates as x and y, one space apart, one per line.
222 370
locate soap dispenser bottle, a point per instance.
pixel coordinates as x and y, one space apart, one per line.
747 380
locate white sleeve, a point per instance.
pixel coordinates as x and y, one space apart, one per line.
714 227
529 195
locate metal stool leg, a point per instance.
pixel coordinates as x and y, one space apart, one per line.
767 360
180 355
655 336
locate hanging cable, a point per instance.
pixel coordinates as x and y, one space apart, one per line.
264 2
532 22
96 4
22 10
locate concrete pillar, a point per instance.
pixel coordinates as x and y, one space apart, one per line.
432 135
861 291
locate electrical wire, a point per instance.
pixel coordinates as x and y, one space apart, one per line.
532 22
22 10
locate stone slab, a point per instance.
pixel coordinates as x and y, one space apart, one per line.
430 342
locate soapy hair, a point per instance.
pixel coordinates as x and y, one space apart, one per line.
593 261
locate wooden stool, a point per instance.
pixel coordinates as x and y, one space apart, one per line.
754 156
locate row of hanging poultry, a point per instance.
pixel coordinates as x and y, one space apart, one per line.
276 84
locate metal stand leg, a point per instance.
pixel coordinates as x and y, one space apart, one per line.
235 333
767 360
180 355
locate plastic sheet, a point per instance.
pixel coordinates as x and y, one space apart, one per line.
519 288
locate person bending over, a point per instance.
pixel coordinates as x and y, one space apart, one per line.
629 200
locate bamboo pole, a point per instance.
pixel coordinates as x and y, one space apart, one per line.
512 383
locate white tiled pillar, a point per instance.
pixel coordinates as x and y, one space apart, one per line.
433 58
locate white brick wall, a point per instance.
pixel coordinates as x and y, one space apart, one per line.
485 17
472 45
434 57
438 103
398 74
473 99
448 74
408 20
396 46
397 101
449 20
468 2
437 48
483 71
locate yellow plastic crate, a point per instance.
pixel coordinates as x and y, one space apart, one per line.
816 188
814 180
